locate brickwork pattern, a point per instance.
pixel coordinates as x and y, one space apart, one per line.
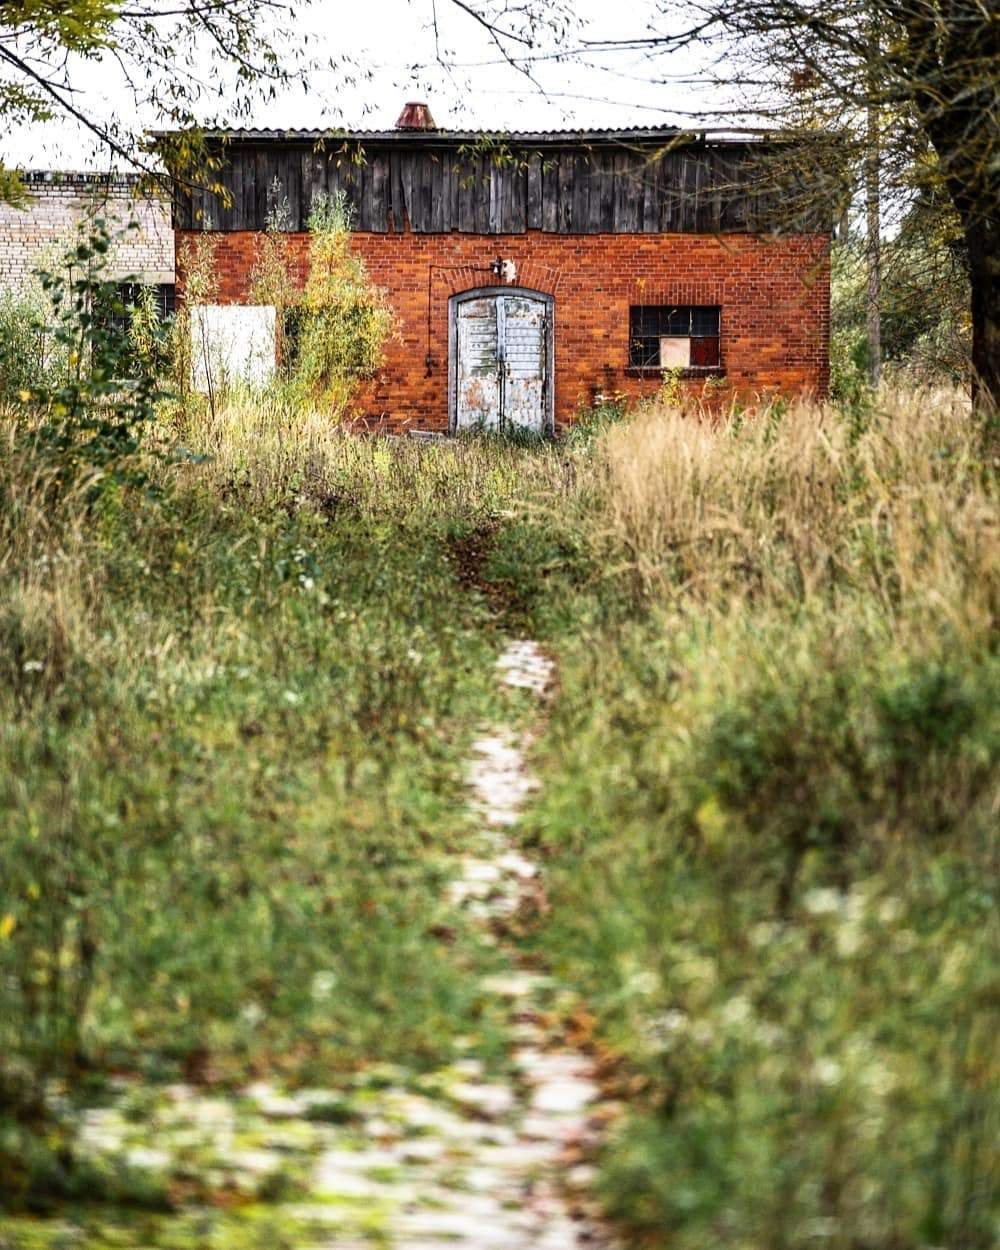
774 295
37 234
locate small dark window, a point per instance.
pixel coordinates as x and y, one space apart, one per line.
129 294
664 336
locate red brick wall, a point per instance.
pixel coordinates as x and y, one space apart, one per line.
774 294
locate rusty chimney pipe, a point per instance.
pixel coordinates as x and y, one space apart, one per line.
415 116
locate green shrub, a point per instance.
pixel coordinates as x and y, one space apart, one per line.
88 416
343 320
28 354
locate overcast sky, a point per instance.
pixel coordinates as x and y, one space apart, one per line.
395 57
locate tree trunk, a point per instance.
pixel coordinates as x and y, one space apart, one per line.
873 250
873 210
982 237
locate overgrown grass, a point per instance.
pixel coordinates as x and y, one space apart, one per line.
233 727
770 815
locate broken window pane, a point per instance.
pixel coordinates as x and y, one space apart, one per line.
670 336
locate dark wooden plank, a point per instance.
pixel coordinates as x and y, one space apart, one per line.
650 195
258 214
688 193
363 221
352 175
180 207
394 206
456 192
451 183
509 178
629 208
519 197
331 184
666 177
313 166
714 177
437 193
406 175
206 207
425 168
290 174
442 190
533 192
581 193
467 193
607 196
379 202
703 198
248 186
550 193
495 201
621 191
567 168
234 179
484 193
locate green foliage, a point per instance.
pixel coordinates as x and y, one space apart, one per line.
27 351
926 328
231 783
153 51
343 320
271 278
89 416
230 778
769 823
149 337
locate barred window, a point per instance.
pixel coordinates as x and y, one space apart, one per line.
129 294
672 336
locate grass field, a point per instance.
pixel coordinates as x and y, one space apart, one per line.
234 724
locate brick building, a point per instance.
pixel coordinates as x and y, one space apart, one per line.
59 202
530 273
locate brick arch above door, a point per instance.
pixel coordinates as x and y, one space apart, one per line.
532 275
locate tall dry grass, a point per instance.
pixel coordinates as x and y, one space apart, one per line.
271 450
804 503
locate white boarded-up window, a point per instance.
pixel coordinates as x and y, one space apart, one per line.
232 344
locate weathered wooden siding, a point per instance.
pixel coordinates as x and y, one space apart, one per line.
699 189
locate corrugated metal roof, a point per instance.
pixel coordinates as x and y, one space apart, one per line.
634 134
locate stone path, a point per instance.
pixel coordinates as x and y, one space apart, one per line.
551 1122
396 1159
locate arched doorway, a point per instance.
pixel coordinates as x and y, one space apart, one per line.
500 358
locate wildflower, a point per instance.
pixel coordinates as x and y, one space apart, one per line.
821 902
736 1011
323 985
252 1014
827 1071
32 666
645 982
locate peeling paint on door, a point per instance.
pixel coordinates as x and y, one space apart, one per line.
500 370
525 324
478 366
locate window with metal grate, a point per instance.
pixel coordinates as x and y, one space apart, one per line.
665 336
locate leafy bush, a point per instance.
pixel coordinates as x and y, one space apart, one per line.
343 320
28 354
89 412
